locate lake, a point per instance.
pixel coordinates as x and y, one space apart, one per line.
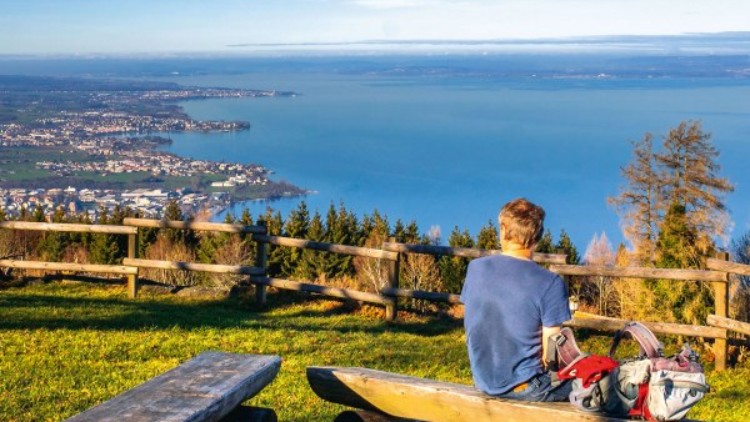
450 150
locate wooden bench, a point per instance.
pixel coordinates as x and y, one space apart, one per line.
206 388
398 397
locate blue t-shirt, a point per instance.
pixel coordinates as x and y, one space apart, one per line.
507 301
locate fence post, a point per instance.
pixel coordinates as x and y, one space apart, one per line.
133 253
721 305
394 267
261 260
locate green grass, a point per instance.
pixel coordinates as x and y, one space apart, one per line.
67 347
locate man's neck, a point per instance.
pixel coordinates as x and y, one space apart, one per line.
518 252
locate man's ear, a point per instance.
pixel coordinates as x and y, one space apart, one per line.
502 231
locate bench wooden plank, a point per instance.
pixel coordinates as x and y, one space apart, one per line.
423 399
206 388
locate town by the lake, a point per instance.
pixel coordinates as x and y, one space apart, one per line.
90 146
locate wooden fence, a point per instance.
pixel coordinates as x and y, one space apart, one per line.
392 254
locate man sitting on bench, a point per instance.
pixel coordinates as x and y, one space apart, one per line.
512 306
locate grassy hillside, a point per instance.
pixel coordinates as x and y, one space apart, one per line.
65 348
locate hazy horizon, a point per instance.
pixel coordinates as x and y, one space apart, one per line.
140 26
716 43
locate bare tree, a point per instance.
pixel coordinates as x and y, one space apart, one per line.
691 179
600 288
639 201
372 272
164 249
420 271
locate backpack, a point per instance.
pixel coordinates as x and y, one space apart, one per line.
589 374
650 386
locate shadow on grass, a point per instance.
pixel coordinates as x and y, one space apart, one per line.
732 394
20 310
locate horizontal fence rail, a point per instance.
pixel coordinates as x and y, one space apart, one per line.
541 258
193 266
326 247
321 290
422 295
730 267
193 225
600 323
639 272
67 227
729 324
68 266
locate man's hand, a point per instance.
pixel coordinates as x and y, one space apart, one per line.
547 332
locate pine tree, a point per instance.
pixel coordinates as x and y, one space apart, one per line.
38 215
411 233
453 268
337 231
104 248
172 212
676 248
566 247
312 264
488 237
380 225
676 244
296 226
276 254
545 244
53 244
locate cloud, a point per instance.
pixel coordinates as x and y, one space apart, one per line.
395 4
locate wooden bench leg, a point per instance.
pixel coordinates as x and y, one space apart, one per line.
250 414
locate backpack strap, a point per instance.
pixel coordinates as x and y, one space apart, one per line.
562 349
651 347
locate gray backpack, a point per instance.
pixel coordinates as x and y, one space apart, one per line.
651 386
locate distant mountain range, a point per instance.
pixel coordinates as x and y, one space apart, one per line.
694 43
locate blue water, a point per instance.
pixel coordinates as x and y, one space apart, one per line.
450 151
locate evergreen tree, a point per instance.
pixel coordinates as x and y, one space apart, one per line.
566 247
676 248
399 231
172 212
411 233
488 237
53 243
364 229
545 243
453 268
38 215
338 230
380 225
312 264
247 220
210 242
276 254
676 244
104 248
296 226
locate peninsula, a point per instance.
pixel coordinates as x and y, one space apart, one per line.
93 144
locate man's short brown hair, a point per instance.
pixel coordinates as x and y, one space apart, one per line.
523 222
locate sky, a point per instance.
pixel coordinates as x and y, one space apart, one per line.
166 26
